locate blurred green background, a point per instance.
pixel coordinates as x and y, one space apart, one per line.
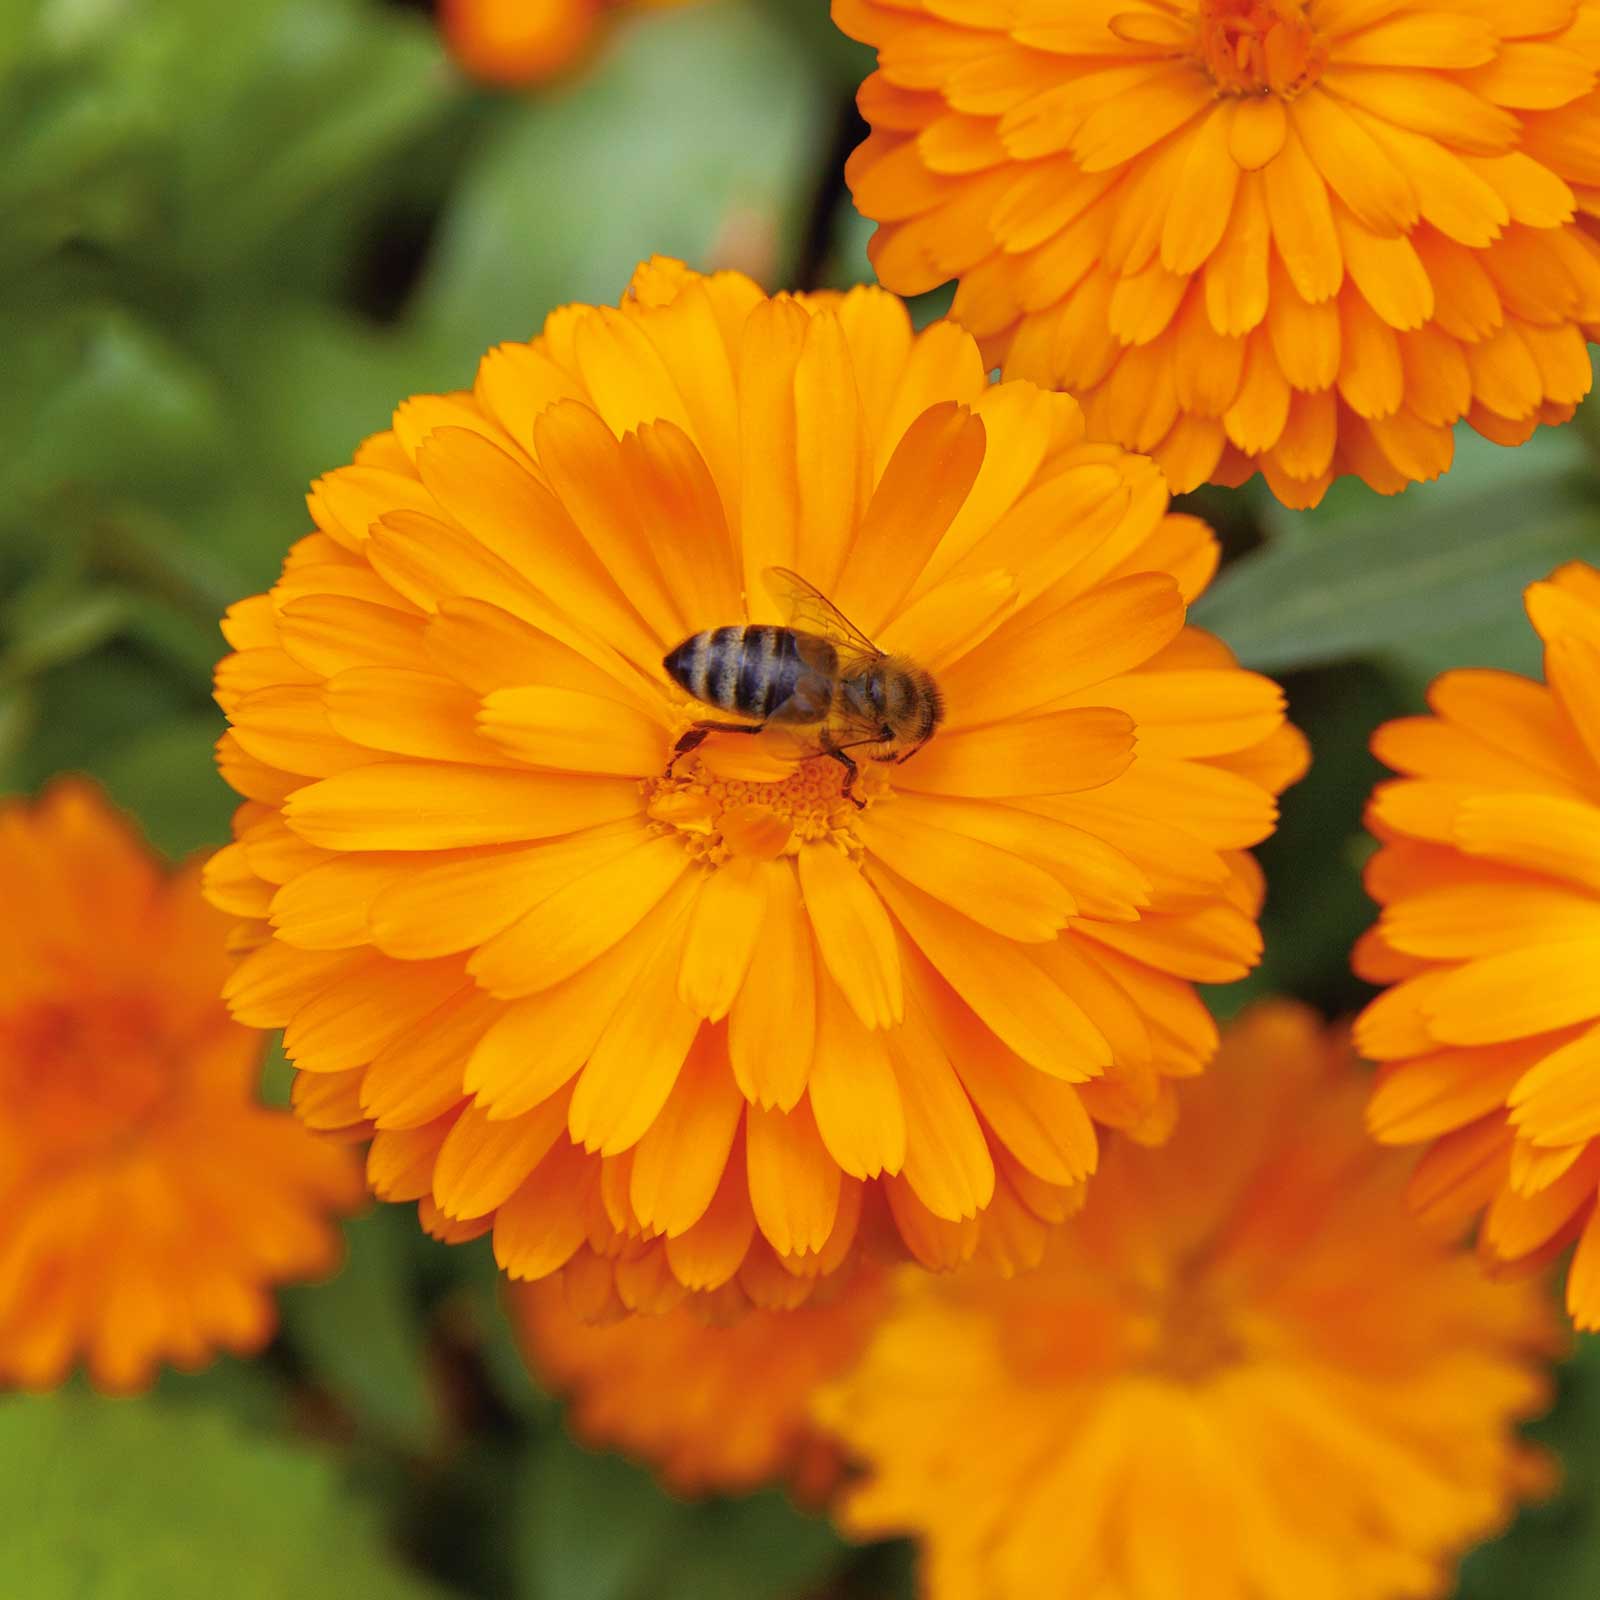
231 239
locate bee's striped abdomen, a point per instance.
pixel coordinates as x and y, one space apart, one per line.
751 670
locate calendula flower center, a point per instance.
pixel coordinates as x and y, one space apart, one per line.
81 1078
719 817
1187 1328
1177 1324
1259 47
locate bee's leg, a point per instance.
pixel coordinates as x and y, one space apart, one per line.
851 770
693 738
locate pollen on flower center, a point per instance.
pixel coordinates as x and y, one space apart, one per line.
718 817
1259 47
81 1079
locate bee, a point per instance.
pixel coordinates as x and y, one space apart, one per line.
820 678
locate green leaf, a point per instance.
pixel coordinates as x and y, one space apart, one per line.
253 1393
1316 905
17 717
1363 575
47 635
182 637
847 60
597 1527
127 1500
1552 1550
696 128
127 409
317 381
759 1548
591 1525
321 92
362 1333
92 709
167 776
277 1075
475 1307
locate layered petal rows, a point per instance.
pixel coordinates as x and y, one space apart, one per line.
1251 235
711 1031
1242 1373
1489 879
712 1408
151 1203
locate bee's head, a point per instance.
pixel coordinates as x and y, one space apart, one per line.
908 703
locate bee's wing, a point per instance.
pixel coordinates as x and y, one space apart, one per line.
807 608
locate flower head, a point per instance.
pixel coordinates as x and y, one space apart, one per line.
1489 879
1299 238
713 1407
516 42
680 1022
149 1200
1240 1373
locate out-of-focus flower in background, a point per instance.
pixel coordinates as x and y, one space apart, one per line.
1489 879
519 42
150 1202
711 1407
1243 1371
711 1030
1303 239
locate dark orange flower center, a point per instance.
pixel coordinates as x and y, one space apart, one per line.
81 1077
1183 1324
1257 47
719 816
1190 1330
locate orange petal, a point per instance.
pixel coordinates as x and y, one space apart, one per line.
581 920
402 805
853 932
853 1091
679 1162
1529 990
1060 752
723 936
794 1182
996 977
772 1025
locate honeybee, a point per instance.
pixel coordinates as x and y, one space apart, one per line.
820 677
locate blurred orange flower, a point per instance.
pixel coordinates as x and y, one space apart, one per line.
1242 1373
1251 235
150 1201
708 1030
519 42
713 1408
1489 877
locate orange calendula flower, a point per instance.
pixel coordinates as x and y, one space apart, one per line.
705 1021
1489 879
1299 238
714 1408
150 1201
1241 1373
519 42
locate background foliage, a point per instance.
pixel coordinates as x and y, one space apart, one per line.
231 239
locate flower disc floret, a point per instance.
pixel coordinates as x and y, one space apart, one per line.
712 1031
